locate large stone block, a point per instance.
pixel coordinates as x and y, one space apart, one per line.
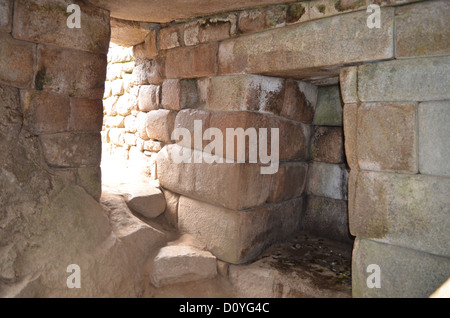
86 114
148 49
405 273
233 185
129 33
348 80
255 20
149 97
328 180
17 60
190 62
289 182
434 141
328 218
309 47
387 137
300 101
329 107
350 122
179 94
45 113
238 236
160 124
149 71
245 92
170 37
83 74
406 210
46 22
6 9
72 149
90 179
421 79
422 29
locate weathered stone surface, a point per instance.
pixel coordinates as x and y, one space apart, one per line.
129 33
153 145
160 124
90 179
434 142
180 263
328 218
210 29
289 182
348 80
148 49
350 121
328 144
16 61
255 20
117 136
6 9
119 54
171 212
11 110
141 126
409 211
170 37
149 72
117 87
149 97
35 21
116 121
130 124
241 185
328 180
386 137
257 228
329 107
404 272
190 62
300 267
143 199
86 114
422 29
421 79
245 92
309 46
126 104
179 94
83 77
72 149
45 112
299 101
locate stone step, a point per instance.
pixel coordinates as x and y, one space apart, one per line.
182 261
144 199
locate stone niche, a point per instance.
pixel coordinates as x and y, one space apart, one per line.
313 69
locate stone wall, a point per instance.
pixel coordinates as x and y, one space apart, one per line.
256 68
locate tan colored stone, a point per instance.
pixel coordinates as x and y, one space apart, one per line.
170 37
34 21
191 62
17 60
387 137
83 77
86 114
289 182
153 145
179 264
147 49
130 139
90 179
328 144
130 124
109 106
350 120
349 84
422 29
126 104
84 150
258 228
309 47
117 87
245 92
141 126
179 94
300 101
45 113
143 199
149 71
160 124
116 136
129 33
171 212
149 97
328 180
401 210
232 185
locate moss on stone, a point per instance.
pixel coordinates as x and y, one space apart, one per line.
340 7
321 8
294 12
41 80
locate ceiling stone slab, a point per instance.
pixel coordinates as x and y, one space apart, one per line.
163 11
